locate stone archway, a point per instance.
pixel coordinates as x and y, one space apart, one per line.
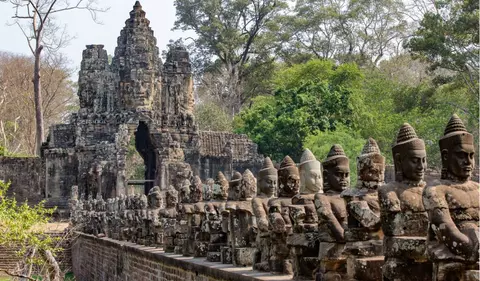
141 160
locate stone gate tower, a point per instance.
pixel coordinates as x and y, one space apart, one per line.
139 98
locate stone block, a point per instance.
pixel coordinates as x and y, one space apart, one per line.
365 269
407 247
243 256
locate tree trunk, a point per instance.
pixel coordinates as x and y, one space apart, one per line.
37 92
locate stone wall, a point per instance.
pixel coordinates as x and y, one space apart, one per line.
107 259
27 177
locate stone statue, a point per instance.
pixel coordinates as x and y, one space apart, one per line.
332 215
241 221
453 209
303 241
363 235
279 216
154 229
168 217
208 189
267 188
213 210
234 190
193 215
403 217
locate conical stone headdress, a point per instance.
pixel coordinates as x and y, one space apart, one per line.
288 165
268 169
236 177
336 156
308 161
407 140
455 133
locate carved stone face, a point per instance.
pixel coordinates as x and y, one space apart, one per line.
289 183
155 198
371 168
413 164
338 178
460 160
311 178
267 184
172 198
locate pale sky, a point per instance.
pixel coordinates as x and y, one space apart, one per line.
161 14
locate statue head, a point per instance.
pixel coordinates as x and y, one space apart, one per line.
457 150
74 195
336 170
155 198
249 186
235 186
171 196
311 178
185 191
409 155
208 189
196 190
267 179
220 189
142 201
288 178
370 165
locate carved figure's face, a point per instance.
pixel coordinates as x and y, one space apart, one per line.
267 184
312 180
413 164
172 199
338 178
372 169
460 160
289 182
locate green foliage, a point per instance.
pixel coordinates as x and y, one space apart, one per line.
448 38
321 142
316 96
135 164
2 151
211 117
23 226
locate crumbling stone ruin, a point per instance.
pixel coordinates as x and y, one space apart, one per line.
403 230
136 99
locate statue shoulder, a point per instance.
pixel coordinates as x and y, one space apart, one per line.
434 196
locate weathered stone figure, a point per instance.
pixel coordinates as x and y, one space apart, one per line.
303 242
241 222
234 189
154 227
194 212
332 215
168 219
279 216
363 234
213 209
453 209
266 187
403 217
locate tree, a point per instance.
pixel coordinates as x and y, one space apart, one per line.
229 40
17 108
448 38
22 227
280 124
211 117
36 20
362 31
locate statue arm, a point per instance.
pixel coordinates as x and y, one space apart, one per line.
362 212
460 243
325 213
260 214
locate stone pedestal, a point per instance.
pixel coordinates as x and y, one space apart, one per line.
455 271
243 256
364 269
226 255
